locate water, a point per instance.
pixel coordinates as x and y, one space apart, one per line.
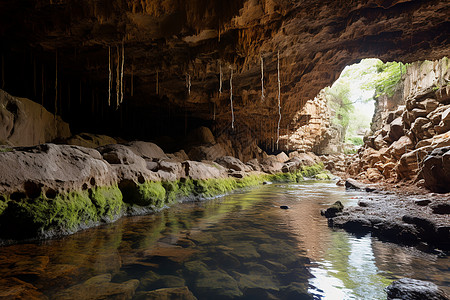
237 246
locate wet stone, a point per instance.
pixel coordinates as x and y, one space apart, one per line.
217 283
179 293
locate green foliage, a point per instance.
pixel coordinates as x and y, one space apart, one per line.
356 140
387 78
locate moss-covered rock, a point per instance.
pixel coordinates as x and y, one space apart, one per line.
56 214
323 176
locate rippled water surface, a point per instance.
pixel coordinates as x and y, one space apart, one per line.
240 246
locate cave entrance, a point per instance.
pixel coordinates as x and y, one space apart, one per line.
355 99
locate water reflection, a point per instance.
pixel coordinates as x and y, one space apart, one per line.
238 246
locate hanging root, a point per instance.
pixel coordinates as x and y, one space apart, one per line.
118 78
220 78
231 98
279 98
56 83
121 74
262 79
110 77
188 83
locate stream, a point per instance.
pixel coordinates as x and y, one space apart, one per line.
238 246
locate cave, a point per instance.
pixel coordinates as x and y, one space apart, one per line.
117 116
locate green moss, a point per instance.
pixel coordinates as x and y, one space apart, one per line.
65 213
323 176
312 170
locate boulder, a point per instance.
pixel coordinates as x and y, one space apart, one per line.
282 157
90 140
199 170
436 116
26 123
443 94
444 124
254 165
179 156
209 152
232 163
418 127
399 147
271 165
331 211
32 170
436 170
374 175
200 136
147 150
352 184
412 289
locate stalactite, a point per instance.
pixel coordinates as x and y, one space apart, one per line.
262 79
279 98
220 78
118 78
188 83
121 73
231 98
157 82
110 77
56 83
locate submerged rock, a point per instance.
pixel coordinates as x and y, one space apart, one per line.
100 287
178 293
412 289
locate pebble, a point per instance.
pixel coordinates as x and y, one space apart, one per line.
284 207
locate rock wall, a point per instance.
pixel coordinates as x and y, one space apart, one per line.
26 123
409 144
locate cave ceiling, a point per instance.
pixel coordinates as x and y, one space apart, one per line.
167 41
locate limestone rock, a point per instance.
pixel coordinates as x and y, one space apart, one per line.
374 175
282 157
399 147
418 128
26 123
46 167
436 170
90 140
200 170
430 104
147 150
412 289
271 165
200 136
232 163
210 152
179 156
444 124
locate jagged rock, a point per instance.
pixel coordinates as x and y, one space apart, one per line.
417 127
430 104
444 124
90 140
436 170
374 175
177 293
399 147
417 113
26 123
282 157
436 116
443 95
100 287
412 289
